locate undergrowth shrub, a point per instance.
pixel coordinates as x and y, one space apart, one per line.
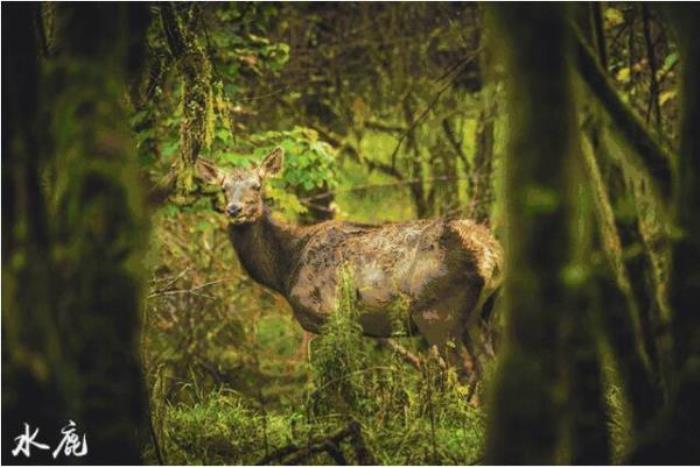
339 357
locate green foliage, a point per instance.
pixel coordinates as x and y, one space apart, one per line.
340 356
222 429
406 417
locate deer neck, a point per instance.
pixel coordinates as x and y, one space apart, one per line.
268 249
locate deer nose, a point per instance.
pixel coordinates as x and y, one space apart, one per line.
233 210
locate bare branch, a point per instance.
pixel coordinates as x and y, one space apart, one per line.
654 158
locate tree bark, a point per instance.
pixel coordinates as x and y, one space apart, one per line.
415 163
526 414
196 71
622 321
75 225
673 439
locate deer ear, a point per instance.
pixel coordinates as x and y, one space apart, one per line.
273 162
208 172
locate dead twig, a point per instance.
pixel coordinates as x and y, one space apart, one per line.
192 290
401 351
293 454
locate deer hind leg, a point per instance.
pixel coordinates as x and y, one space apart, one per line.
441 324
477 367
482 345
488 327
444 325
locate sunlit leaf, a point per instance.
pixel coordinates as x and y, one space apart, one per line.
623 74
667 96
613 17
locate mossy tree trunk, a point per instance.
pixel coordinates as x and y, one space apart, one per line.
623 327
634 330
673 438
185 44
525 410
547 404
75 231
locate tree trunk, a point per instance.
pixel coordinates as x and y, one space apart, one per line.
673 439
527 415
196 70
620 301
75 234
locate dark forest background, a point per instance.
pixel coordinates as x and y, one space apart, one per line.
571 130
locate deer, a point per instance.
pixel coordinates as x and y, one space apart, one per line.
441 271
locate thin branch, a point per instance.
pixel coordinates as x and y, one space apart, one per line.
351 151
655 160
175 278
191 290
379 126
420 118
458 65
154 437
651 57
432 104
457 145
402 352
384 185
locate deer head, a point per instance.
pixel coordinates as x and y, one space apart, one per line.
243 186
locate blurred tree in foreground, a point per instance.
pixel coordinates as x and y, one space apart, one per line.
545 283
554 365
74 227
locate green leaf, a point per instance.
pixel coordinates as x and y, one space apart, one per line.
670 61
170 148
204 226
